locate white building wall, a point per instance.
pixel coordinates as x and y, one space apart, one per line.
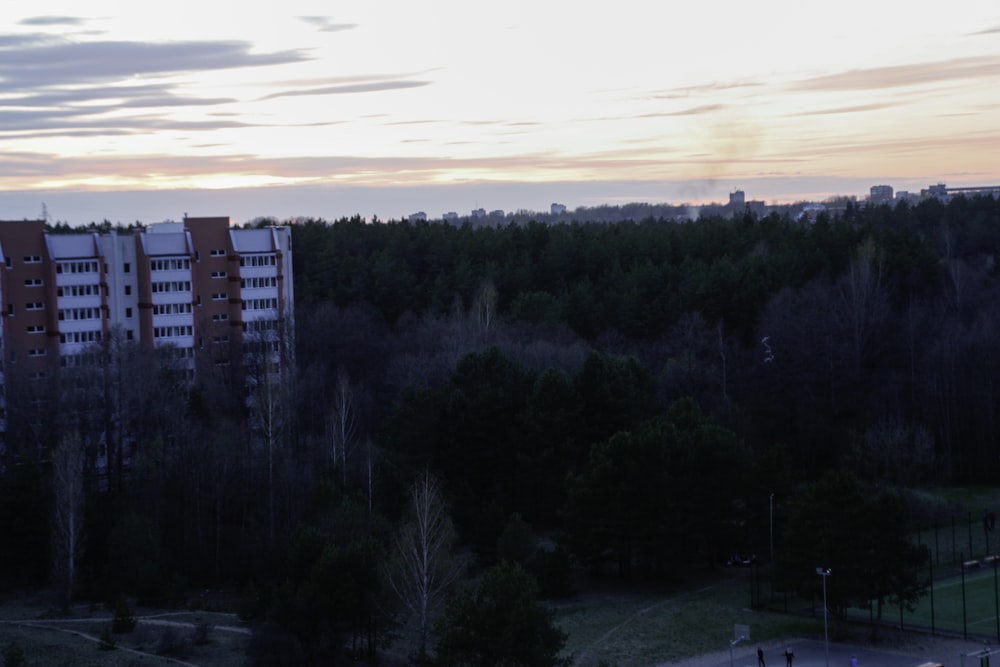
123 285
172 296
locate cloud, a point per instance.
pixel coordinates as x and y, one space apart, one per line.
702 89
324 24
28 62
857 108
693 111
52 20
151 95
898 76
59 87
369 87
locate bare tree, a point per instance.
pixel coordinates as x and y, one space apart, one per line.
485 305
67 519
269 405
370 455
865 298
344 421
424 566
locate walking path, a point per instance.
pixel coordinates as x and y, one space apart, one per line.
812 653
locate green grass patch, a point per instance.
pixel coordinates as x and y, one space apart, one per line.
72 638
641 630
979 600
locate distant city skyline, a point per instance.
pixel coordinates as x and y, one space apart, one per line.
144 112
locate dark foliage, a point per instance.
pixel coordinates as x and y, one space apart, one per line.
500 622
636 390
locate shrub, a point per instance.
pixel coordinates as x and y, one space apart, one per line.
200 635
124 620
107 642
251 605
170 642
13 655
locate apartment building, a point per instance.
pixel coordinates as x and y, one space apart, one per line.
195 289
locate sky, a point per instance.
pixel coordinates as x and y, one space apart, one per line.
149 111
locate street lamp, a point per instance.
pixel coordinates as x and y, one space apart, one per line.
824 572
771 508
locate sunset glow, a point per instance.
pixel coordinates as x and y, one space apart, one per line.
686 104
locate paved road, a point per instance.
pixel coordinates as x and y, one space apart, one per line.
810 653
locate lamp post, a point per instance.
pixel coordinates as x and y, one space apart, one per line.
771 507
824 572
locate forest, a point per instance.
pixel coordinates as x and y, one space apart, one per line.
540 401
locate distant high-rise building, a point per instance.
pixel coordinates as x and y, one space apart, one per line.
939 192
880 194
557 209
737 199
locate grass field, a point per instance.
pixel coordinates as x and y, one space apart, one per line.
980 604
953 529
158 638
643 630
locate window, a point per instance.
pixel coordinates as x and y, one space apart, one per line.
128 334
222 317
218 274
171 308
32 282
34 305
219 296
258 260
128 312
171 286
260 304
36 352
77 290
259 283
173 331
181 264
128 290
126 267
217 252
36 328
80 337
79 314
89 266
32 259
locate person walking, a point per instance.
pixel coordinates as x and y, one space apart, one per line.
789 656
760 657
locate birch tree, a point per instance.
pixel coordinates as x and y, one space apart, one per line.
269 409
344 421
67 519
424 566
865 299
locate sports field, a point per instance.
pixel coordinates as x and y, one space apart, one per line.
954 608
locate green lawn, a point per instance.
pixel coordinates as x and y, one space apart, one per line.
980 604
642 630
158 639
